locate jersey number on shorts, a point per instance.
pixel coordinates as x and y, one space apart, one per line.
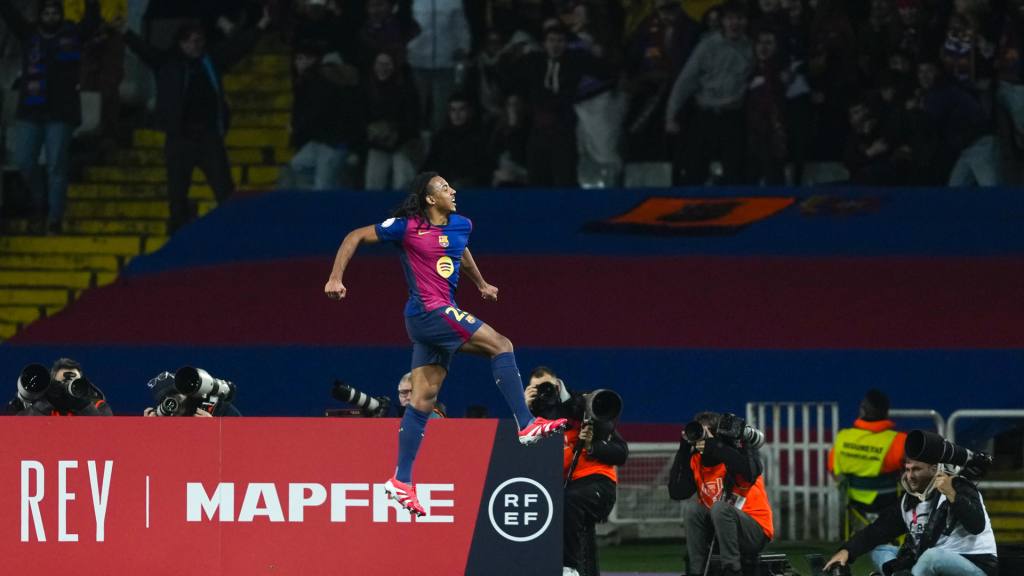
459 315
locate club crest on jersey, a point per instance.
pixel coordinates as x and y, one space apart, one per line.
443 241
445 266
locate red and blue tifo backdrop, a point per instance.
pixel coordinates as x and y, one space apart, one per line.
680 300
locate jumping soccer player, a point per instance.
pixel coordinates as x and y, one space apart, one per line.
434 240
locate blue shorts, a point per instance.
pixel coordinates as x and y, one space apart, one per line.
438 334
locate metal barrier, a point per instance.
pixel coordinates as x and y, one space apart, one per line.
643 486
950 435
922 413
803 494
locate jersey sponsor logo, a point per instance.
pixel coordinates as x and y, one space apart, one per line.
422 232
443 241
445 266
387 223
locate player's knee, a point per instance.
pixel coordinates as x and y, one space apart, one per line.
425 401
502 345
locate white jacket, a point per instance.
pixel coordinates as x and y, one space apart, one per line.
444 30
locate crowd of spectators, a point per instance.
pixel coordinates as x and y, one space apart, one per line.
759 92
568 92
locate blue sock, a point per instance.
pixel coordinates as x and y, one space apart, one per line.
410 434
506 376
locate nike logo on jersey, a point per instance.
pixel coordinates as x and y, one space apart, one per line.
422 232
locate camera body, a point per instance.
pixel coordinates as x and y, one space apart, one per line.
731 428
187 390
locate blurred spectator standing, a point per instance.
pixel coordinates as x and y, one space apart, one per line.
1010 90
716 75
459 150
49 105
103 59
508 144
601 107
386 29
191 108
766 130
323 26
393 126
869 152
327 118
655 54
437 55
834 81
551 79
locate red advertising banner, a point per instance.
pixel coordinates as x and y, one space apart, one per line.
267 496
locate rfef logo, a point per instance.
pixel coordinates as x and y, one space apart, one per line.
520 509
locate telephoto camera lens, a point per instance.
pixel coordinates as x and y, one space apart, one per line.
76 387
694 432
194 382
368 404
33 382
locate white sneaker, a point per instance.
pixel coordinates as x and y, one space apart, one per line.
566 571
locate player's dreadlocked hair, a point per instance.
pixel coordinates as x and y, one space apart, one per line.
415 204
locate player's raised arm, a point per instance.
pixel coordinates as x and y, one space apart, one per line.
334 289
487 292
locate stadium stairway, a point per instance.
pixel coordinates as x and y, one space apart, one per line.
117 209
1006 508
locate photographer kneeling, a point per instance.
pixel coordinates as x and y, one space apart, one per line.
590 489
717 461
948 528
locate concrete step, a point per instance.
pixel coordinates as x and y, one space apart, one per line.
35 297
272 82
20 314
268 119
8 330
281 101
155 156
108 245
262 175
204 207
46 279
1000 506
117 226
1001 523
1010 537
240 138
151 244
59 262
150 174
82 190
263 64
129 209
104 278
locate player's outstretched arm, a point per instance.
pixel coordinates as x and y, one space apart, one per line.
487 292
334 289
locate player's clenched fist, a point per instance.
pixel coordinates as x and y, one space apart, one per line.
335 290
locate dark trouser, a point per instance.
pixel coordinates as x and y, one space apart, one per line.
714 135
551 157
737 533
587 501
183 153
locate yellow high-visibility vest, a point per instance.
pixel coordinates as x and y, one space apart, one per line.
859 454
